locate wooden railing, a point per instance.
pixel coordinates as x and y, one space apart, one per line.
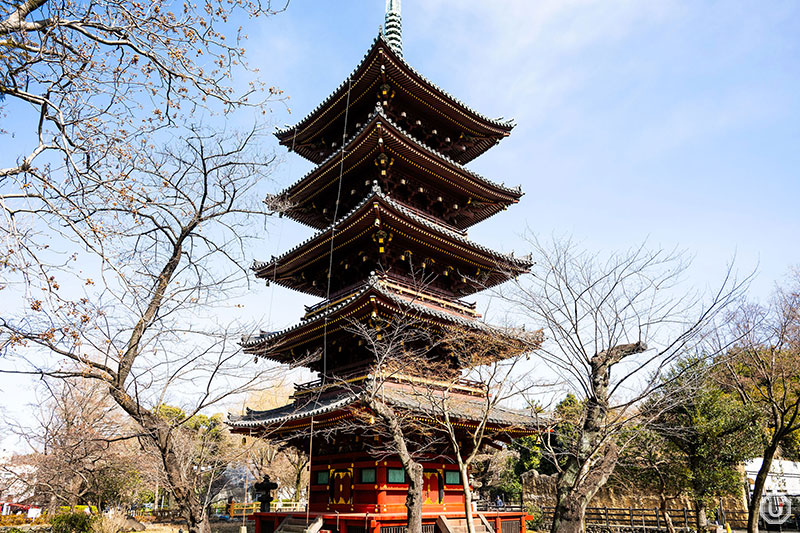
486 506
290 507
619 518
242 509
160 515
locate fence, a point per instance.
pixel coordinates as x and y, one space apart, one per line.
287 506
631 518
486 506
242 509
160 515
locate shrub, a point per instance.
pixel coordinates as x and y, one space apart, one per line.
537 522
13 520
111 522
72 523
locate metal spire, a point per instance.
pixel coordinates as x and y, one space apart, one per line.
393 28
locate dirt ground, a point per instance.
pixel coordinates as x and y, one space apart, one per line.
216 527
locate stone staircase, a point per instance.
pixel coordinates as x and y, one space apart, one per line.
459 525
291 524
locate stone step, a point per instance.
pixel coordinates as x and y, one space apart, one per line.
462 528
294 525
457 528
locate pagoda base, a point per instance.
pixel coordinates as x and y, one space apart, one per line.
500 521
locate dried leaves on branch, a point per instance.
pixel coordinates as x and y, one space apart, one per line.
162 250
83 78
91 88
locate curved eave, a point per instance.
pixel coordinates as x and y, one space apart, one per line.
365 75
372 296
362 217
463 410
496 196
283 417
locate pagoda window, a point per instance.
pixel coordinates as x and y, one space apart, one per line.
322 477
367 475
452 477
396 475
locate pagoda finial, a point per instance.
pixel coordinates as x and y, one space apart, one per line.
393 28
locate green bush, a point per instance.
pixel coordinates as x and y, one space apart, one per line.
72 523
537 524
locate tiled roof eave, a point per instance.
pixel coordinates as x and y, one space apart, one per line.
462 410
255 345
504 125
252 419
377 114
521 264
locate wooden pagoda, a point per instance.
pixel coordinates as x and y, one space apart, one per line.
390 198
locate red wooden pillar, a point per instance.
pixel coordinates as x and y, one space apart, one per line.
380 485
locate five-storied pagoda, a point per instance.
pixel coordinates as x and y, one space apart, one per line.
392 202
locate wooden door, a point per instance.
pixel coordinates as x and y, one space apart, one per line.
432 486
340 486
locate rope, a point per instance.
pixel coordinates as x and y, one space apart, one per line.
310 481
333 234
278 245
327 293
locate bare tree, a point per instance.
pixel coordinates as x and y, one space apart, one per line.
75 453
91 88
492 360
415 400
284 464
613 325
158 252
762 368
85 80
398 347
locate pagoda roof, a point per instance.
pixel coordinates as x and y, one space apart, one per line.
380 129
315 406
367 73
363 217
376 294
422 400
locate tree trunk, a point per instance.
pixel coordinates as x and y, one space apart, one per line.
159 433
665 512
593 460
569 514
190 506
413 469
196 523
754 505
702 516
462 468
52 505
298 483
414 498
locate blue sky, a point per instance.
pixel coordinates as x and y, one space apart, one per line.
674 122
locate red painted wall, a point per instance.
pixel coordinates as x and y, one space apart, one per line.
345 492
